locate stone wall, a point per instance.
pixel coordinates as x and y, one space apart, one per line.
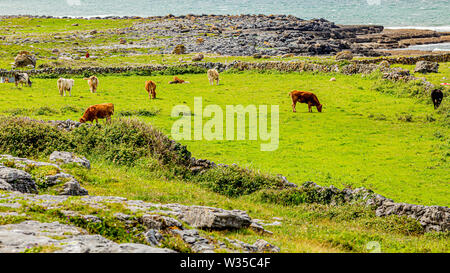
357 66
439 58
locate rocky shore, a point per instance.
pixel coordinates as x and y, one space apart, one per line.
247 35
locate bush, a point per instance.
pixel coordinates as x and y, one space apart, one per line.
234 181
23 137
123 141
414 89
301 195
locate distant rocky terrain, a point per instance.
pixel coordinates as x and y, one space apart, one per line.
245 35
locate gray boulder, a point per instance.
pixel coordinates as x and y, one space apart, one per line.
426 67
19 180
215 218
67 157
264 246
73 188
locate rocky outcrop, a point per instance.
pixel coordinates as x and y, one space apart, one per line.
433 218
23 162
159 221
67 157
426 67
73 188
17 178
30 236
213 218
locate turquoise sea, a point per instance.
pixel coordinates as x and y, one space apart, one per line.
390 13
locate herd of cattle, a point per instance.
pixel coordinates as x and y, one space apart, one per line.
106 110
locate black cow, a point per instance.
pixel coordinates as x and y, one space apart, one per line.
436 97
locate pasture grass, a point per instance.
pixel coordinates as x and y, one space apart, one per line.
397 146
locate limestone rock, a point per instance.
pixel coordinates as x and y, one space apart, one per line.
433 218
215 218
67 157
73 188
24 236
19 180
426 67
264 246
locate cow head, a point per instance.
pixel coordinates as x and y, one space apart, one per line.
82 120
319 107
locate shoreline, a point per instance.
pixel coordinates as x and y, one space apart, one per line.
443 28
248 35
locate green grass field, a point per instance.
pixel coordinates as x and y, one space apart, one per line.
362 138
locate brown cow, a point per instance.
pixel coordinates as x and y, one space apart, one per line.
305 97
177 80
98 111
150 86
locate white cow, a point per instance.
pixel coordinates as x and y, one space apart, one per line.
65 85
213 75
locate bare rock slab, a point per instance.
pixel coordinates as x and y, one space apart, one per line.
215 218
60 238
67 157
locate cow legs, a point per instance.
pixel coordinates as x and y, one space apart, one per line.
293 106
217 81
309 107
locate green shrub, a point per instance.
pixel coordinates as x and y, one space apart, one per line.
45 111
123 141
300 195
140 112
23 137
234 181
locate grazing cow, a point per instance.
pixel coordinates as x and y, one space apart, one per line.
65 85
213 75
305 97
93 83
150 86
177 80
22 78
436 97
6 80
98 111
